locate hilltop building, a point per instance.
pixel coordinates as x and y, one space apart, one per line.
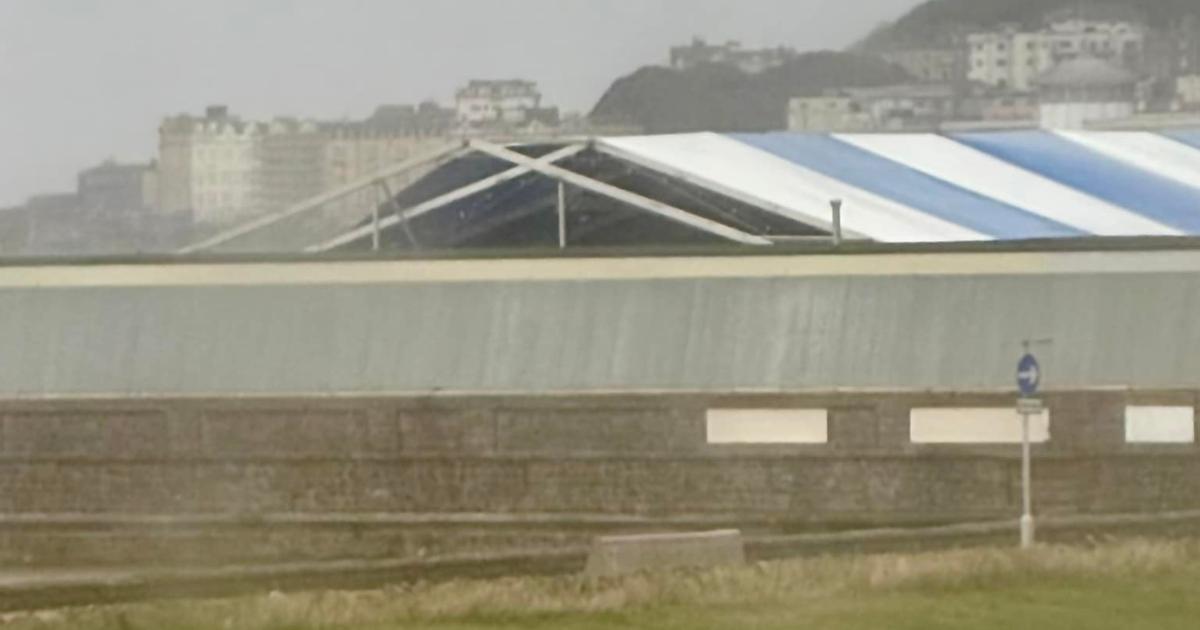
1008 59
1011 58
507 103
1119 38
700 52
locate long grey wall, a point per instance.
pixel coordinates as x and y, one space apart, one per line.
1139 330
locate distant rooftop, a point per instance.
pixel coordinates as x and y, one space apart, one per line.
488 87
904 90
1086 72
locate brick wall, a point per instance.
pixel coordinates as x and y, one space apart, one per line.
586 459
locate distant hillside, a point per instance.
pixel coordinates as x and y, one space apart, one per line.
937 21
723 98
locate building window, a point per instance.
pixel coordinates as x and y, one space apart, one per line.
768 426
1160 425
974 425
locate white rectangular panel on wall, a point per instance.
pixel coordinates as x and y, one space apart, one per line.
768 426
975 425
1160 425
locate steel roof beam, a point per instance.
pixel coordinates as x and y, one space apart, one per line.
621 195
448 198
440 155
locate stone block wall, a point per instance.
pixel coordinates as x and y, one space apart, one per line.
256 481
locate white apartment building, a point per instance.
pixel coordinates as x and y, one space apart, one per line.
353 150
1119 41
210 166
828 113
700 52
1008 59
225 171
1012 59
506 102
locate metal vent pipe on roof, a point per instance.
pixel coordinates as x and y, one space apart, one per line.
836 204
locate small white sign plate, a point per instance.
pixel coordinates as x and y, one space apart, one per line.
1030 406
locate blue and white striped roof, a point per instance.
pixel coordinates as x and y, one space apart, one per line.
961 187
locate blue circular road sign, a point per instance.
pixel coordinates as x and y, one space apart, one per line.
1029 375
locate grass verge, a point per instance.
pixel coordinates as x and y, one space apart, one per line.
1128 584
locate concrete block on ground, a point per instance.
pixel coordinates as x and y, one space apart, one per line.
624 555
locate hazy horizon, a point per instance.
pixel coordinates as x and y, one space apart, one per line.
85 80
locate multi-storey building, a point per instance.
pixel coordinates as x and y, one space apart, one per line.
292 162
700 52
1010 58
113 189
831 112
112 211
224 170
211 167
394 133
504 102
898 107
1119 41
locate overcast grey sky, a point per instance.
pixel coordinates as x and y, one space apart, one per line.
82 80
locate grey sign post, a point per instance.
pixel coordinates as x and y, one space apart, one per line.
1029 380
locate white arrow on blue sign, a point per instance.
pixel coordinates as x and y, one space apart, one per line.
1029 375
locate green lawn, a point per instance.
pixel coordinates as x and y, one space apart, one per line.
1120 586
